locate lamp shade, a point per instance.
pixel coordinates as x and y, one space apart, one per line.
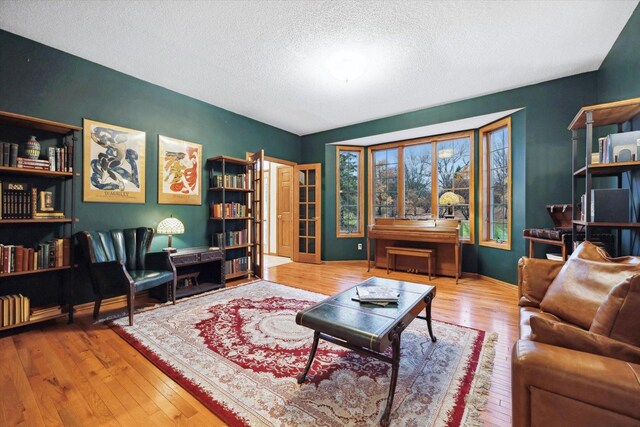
450 198
170 226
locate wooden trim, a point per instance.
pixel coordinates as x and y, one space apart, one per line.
360 151
120 300
434 141
415 141
283 162
483 197
400 183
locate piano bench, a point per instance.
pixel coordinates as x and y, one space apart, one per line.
416 252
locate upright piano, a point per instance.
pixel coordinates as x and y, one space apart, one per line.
443 235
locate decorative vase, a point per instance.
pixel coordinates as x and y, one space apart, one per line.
32 149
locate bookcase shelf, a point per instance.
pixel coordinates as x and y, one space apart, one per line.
5 170
36 221
234 189
30 272
31 322
588 118
16 129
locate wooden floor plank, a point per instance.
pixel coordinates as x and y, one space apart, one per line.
85 374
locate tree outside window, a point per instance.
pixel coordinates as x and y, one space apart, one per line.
350 222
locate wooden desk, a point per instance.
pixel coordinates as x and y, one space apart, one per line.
198 270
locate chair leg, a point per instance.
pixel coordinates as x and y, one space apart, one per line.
130 304
96 308
174 283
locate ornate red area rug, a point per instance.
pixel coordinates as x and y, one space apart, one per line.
239 352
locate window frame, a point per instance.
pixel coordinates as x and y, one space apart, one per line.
433 140
484 195
360 203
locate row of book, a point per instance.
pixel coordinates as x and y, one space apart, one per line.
230 238
19 200
59 159
8 154
49 254
230 210
14 309
229 181
236 265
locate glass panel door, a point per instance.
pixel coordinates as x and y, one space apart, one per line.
307 204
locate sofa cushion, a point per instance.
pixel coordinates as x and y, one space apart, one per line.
535 277
618 317
525 315
584 282
564 335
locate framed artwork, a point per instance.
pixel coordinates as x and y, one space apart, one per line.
179 174
113 164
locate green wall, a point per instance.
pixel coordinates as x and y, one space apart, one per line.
39 81
541 161
619 74
619 78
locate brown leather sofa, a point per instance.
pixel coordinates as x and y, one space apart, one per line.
558 386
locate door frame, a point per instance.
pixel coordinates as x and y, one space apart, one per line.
271 159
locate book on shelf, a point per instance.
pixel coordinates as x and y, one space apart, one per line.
238 181
14 309
45 312
15 200
46 201
49 254
377 294
25 163
228 210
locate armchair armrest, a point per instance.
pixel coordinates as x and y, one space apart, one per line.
109 273
584 386
534 277
158 261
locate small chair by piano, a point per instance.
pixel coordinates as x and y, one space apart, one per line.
393 251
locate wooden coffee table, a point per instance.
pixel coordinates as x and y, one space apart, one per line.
367 328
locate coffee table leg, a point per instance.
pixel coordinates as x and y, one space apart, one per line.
316 338
395 364
428 317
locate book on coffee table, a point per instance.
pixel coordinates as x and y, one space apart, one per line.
377 294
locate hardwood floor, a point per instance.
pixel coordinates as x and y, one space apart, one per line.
86 375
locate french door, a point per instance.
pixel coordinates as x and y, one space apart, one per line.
307 213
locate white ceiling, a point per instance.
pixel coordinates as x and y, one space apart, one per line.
268 60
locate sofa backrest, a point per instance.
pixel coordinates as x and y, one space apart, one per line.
129 245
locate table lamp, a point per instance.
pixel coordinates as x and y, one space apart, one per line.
450 199
170 226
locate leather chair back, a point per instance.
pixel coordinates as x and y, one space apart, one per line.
129 245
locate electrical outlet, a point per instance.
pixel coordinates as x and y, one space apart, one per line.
359 246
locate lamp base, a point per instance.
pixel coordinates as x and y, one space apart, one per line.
170 249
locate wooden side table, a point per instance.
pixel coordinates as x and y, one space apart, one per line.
198 270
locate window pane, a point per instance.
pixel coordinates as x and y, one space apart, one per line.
417 181
349 208
385 183
495 171
454 176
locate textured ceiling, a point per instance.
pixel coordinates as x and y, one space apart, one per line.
268 60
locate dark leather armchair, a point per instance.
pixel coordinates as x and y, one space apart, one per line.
119 263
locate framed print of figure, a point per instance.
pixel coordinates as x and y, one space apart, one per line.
113 164
179 172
